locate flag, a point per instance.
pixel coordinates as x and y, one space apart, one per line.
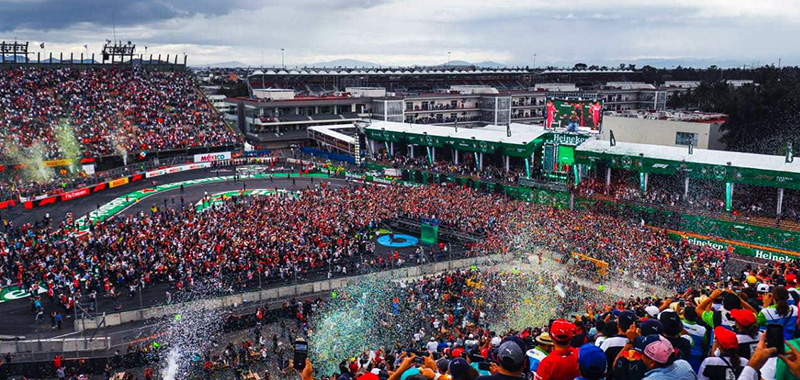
41 45
86 47
508 129
456 125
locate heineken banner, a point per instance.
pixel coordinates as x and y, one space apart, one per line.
745 249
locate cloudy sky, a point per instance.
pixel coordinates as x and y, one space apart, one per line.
408 32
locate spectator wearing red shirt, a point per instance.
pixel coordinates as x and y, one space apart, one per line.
562 363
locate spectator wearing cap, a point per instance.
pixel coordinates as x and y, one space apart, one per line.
659 356
699 333
489 352
459 369
612 346
511 361
791 282
591 362
650 327
762 289
777 310
544 344
652 311
747 332
562 363
673 327
433 345
728 365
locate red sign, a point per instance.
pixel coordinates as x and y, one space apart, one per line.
7 204
47 201
75 194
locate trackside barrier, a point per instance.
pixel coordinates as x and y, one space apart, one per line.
114 319
55 345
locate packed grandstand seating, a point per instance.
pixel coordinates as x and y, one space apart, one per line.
748 201
466 167
109 110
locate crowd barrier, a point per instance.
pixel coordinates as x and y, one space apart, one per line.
114 319
55 345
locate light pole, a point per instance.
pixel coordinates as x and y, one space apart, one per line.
283 62
534 61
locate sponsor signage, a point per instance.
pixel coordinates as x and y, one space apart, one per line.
118 182
739 248
7 204
74 194
55 163
211 157
176 169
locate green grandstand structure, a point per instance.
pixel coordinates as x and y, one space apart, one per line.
562 160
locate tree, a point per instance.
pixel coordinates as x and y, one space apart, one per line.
761 118
580 66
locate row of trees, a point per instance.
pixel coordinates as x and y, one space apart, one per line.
763 117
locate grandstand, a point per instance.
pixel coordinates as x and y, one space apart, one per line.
84 119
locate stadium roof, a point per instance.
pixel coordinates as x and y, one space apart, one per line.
756 169
520 133
521 143
388 71
330 131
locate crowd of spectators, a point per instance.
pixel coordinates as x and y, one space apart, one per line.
714 332
748 202
108 109
465 168
321 229
279 237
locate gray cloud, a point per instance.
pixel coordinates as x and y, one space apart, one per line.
394 32
58 14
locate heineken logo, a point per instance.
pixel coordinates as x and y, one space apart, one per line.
627 162
719 172
772 256
569 139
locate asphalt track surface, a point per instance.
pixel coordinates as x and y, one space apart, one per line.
17 316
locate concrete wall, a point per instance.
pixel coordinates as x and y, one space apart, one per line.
55 345
114 319
659 132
